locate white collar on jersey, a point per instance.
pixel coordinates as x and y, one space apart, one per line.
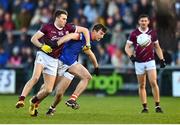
142 30
57 27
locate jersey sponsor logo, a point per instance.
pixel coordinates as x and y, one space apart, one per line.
60 33
55 38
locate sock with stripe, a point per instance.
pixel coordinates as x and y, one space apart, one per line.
74 97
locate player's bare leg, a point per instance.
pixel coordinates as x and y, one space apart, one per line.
142 91
80 71
49 81
152 76
29 85
62 84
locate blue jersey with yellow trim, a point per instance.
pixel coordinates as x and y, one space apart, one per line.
71 50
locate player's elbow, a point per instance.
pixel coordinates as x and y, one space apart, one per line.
33 39
128 49
87 76
83 30
86 30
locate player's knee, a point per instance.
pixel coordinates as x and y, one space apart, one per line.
88 77
34 79
142 86
153 84
48 90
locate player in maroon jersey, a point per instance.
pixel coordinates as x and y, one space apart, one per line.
46 59
143 58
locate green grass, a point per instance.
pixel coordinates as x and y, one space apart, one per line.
100 110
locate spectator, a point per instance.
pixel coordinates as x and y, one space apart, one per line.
1 16
103 56
2 34
15 59
9 42
8 23
118 37
91 12
118 58
4 56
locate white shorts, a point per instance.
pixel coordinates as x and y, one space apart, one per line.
140 68
49 63
62 70
68 75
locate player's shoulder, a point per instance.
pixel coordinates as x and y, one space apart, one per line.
152 31
69 26
135 32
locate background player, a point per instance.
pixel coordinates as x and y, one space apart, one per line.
143 58
48 63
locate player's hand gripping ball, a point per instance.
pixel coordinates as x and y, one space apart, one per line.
143 40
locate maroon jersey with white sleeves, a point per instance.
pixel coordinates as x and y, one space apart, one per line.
143 54
53 33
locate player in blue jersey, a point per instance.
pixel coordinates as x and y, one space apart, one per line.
69 57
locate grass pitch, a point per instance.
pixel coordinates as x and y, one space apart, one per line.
99 110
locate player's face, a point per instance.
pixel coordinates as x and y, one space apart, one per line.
99 35
62 19
144 22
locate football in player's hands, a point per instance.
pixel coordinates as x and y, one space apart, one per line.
143 40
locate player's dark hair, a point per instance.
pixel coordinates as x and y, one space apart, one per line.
98 27
143 16
59 12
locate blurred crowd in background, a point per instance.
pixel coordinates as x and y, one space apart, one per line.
19 19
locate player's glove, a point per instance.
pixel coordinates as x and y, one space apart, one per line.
133 59
162 63
46 48
86 47
96 71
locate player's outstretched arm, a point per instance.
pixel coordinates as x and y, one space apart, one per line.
66 38
159 53
85 31
128 49
158 50
129 52
93 59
